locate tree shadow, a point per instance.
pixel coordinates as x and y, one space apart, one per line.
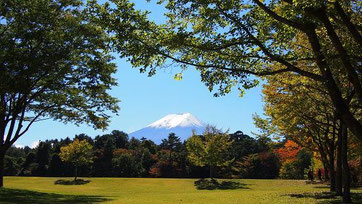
71 182
8 195
327 187
206 184
327 197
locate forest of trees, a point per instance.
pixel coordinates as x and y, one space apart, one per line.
116 155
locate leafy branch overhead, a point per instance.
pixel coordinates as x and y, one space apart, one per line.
230 42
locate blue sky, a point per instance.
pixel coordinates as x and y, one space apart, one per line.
147 99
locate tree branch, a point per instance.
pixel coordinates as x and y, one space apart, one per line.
273 57
352 75
281 19
347 22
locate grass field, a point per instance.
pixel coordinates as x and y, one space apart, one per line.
154 190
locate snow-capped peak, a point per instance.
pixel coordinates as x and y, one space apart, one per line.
177 120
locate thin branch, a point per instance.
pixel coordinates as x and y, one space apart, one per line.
273 57
28 126
351 73
281 19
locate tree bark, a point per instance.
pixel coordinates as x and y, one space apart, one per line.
334 92
76 172
332 170
339 163
211 172
346 172
2 156
343 55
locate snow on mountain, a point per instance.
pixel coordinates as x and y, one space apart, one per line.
177 120
181 124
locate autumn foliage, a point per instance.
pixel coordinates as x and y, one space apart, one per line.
288 152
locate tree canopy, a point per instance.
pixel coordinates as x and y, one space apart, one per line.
230 41
54 63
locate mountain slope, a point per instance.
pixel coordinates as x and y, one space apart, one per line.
181 124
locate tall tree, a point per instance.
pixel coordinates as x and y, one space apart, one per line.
107 157
77 153
42 158
54 63
300 109
120 138
171 143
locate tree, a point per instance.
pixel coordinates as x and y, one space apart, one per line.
294 166
228 41
171 158
242 146
120 138
10 167
171 143
289 151
54 63
300 108
78 153
30 158
211 150
263 165
56 166
42 158
126 164
302 111
107 158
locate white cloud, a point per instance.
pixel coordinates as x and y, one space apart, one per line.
34 144
19 145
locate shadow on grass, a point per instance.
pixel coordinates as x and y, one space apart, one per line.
206 184
8 195
327 187
71 182
327 197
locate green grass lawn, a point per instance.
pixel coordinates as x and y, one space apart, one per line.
155 190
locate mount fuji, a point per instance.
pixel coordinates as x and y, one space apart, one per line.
181 124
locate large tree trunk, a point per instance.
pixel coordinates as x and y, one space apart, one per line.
332 170
2 156
334 92
342 109
339 164
346 172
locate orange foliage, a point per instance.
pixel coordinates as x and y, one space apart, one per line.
289 151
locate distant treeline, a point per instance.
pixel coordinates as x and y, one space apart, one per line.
115 155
